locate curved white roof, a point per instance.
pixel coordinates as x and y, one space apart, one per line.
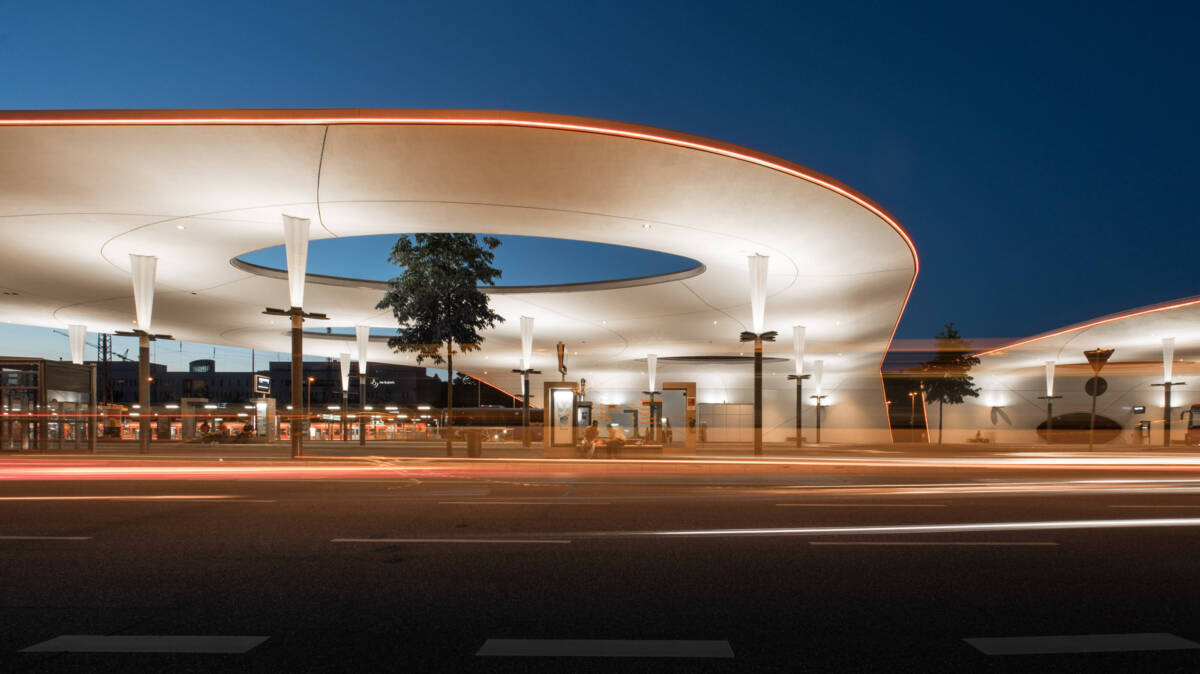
80 191
1135 335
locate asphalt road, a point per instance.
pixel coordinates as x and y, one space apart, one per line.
835 570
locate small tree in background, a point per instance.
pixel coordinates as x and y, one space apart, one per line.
945 376
437 302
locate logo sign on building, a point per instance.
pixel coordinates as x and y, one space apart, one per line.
262 384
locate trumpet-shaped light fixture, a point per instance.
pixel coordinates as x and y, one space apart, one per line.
1168 357
799 377
758 291
143 268
295 242
652 370
526 342
1049 398
78 335
798 347
344 361
362 334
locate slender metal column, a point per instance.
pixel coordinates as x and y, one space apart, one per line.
799 379
144 392
297 430
1049 414
758 340
91 424
1167 385
819 399
345 411
362 409
758 402
652 431
525 440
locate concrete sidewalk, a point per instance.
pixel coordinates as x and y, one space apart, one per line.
435 449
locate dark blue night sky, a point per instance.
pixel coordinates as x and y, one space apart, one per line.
1043 155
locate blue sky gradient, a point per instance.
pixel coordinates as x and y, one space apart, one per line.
1042 155
522 260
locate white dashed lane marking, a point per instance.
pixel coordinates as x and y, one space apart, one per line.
1081 643
605 648
99 643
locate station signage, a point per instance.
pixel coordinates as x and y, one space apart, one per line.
262 384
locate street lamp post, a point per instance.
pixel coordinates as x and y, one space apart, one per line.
1168 366
1096 358
295 240
799 377
1049 398
758 306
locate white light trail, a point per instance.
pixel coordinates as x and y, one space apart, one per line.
927 528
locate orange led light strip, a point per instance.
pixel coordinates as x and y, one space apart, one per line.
505 121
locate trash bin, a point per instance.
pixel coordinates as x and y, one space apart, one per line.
474 444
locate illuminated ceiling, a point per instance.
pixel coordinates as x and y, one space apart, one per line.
80 191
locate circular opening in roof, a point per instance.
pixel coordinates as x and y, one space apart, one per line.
524 261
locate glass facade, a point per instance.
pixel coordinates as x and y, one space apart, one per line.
45 404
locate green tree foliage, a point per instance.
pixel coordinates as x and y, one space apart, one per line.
436 299
945 375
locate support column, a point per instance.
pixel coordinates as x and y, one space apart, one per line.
1167 385
298 427
1049 414
819 399
362 410
525 410
91 424
1166 414
758 339
799 379
144 393
758 402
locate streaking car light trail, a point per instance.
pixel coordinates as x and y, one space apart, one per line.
921 528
